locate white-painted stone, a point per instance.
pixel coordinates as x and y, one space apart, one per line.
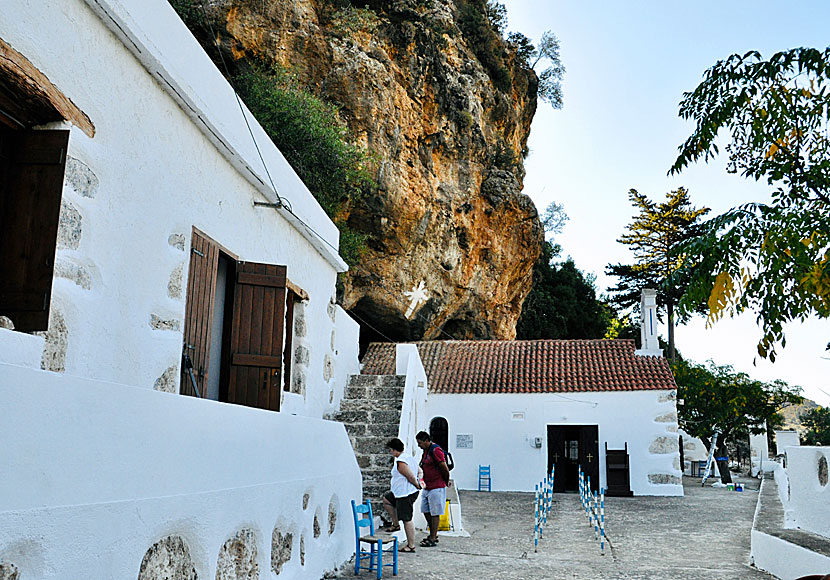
622 417
164 465
809 499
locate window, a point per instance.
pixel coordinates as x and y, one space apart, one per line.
31 183
237 332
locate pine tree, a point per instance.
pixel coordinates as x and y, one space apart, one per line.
653 235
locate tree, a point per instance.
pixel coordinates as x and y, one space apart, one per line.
654 236
550 79
773 259
817 422
717 398
562 302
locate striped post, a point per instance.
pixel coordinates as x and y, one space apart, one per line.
536 520
602 521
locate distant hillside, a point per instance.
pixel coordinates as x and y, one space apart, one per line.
792 413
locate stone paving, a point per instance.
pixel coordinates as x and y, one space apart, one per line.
704 535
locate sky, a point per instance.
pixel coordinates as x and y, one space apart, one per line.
627 66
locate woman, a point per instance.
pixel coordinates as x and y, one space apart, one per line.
399 500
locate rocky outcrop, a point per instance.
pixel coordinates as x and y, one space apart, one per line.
448 210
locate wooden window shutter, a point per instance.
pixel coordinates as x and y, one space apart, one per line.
201 290
30 203
257 335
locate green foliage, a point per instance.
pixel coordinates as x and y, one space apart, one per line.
349 20
550 79
562 302
484 37
315 142
654 235
817 422
717 397
773 259
190 13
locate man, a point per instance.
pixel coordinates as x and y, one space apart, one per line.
436 479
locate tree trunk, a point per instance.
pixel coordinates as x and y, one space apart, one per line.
670 309
723 466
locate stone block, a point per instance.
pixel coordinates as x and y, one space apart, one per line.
302 550
166 559
168 382
370 444
301 355
238 558
333 503
663 479
80 177
664 444
667 418
70 227
384 417
56 343
352 416
316 529
73 272
281 546
177 241
306 499
174 285
159 323
8 571
328 367
382 430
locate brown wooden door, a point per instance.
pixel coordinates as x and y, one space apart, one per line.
31 187
589 453
257 333
198 321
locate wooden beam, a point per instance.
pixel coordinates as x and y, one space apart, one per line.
28 97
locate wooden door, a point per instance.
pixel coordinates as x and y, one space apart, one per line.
257 335
31 185
556 456
589 453
198 320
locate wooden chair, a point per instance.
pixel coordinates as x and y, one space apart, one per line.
363 519
484 478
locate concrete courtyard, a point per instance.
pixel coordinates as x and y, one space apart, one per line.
704 535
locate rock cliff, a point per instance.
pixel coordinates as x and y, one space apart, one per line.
448 141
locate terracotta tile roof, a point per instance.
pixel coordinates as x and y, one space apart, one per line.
529 366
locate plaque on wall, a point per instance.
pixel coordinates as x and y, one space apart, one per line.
463 441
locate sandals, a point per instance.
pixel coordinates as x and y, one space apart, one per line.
407 549
392 528
428 543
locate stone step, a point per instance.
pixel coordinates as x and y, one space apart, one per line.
375 386
386 430
371 404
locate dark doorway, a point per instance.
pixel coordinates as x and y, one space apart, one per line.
439 432
569 447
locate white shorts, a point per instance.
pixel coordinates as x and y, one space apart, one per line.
433 501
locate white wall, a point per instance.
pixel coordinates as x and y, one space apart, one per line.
414 405
784 439
643 419
95 473
759 454
809 497
149 175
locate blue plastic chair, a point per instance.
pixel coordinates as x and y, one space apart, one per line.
363 519
484 477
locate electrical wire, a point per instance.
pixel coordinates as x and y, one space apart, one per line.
238 99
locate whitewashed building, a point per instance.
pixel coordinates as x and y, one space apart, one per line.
138 224
525 406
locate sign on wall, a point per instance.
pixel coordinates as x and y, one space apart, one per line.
463 441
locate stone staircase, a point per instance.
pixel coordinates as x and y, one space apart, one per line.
371 412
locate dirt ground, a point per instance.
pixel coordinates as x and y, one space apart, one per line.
704 535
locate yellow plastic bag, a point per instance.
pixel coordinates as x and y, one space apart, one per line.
444 522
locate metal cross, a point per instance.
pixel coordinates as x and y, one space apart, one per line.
417 295
590 458
555 457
